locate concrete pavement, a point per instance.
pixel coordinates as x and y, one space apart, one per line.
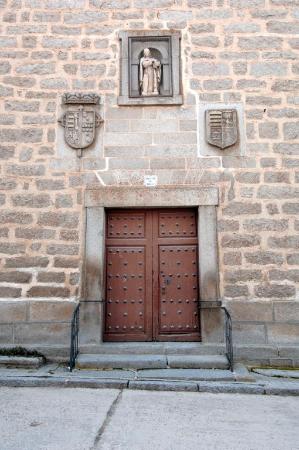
51 418
91 419
179 421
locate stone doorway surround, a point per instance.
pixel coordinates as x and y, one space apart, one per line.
97 199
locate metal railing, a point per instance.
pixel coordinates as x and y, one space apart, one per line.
229 338
75 326
216 304
74 349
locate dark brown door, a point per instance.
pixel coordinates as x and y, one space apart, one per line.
152 276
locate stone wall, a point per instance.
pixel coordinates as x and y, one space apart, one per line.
233 51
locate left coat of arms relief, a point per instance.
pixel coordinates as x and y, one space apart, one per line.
81 122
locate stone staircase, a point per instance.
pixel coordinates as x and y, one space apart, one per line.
151 368
157 361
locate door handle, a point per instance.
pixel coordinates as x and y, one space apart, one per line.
168 282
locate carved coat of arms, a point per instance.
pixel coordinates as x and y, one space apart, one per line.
221 127
79 127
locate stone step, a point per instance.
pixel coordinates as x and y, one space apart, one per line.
197 362
93 361
98 362
153 348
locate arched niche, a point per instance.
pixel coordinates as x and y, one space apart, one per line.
165 46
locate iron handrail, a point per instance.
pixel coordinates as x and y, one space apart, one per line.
216 304
229 338
75 327
74 348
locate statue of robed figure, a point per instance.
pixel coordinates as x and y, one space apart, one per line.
149 74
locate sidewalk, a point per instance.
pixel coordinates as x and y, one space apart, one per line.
109 419
259 381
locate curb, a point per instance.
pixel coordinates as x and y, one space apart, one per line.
151 385
62 382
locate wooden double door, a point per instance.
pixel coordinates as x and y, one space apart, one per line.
152 275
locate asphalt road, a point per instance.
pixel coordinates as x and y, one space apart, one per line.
84 419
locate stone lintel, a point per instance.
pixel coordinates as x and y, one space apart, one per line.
140 197
123 34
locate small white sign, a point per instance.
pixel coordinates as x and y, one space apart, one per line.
150 180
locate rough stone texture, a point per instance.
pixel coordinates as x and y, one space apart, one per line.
237 52
48 291
253 311
51 311
12 311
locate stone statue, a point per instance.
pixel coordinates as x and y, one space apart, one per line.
149 74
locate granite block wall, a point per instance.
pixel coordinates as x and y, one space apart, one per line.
233 51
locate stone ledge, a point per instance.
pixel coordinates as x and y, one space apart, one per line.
152 101
21 361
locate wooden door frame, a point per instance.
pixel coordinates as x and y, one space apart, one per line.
97 198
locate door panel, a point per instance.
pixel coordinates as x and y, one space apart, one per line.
128 306
178 296
152 276
126 225
176 275
176 224
126 290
